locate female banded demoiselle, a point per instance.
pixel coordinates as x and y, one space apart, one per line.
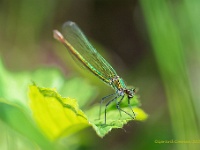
79 46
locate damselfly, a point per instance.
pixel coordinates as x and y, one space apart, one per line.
78 45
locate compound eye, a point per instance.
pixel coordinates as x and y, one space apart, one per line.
130 93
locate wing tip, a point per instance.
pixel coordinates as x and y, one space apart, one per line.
69 23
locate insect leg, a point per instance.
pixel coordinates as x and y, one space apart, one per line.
118 107
108 104
118 104
129 104
102 100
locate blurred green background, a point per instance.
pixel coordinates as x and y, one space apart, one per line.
154 45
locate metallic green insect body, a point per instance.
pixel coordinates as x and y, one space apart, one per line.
77 44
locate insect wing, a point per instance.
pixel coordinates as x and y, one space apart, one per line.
89 56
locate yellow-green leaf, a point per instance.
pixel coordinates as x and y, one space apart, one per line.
55 115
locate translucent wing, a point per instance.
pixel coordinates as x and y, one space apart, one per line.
80 47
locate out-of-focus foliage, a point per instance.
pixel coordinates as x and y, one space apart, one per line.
45 77
16 118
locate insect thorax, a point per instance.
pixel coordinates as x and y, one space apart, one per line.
117 83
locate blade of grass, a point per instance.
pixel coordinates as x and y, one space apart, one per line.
190 12
168 50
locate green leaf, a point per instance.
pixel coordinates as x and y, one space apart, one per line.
116 121
58 116
113 118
